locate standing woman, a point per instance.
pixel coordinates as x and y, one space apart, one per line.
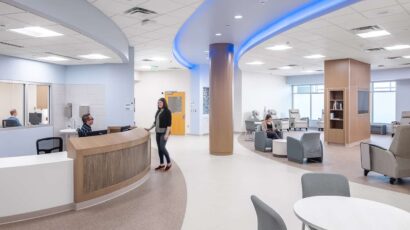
162 124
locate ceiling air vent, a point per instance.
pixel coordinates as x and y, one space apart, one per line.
10 44
393 58
174 68
274 68
292 65
65 56
139 10
374 49
147 60
319 70
365 29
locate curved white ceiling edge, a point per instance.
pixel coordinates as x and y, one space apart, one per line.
260 22
80 16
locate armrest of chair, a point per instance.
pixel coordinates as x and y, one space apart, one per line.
294 149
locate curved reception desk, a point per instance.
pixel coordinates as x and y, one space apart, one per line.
93 170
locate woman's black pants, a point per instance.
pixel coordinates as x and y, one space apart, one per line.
162 151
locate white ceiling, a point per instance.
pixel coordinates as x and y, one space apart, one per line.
330 35
155 39
71 44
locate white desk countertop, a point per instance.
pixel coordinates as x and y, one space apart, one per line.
348 213
9 162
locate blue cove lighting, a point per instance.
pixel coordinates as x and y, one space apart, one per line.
298 16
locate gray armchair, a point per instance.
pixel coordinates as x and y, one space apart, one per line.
405 120
309 146
296 122
262 142
321 122
393 162
250 127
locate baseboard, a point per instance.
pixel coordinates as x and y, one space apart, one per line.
36 214
356 143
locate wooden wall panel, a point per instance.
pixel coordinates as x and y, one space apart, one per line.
42 96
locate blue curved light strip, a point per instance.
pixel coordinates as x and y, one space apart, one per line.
300 15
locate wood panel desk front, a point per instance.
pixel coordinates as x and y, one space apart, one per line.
107 163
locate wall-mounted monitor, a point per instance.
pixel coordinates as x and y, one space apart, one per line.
363 101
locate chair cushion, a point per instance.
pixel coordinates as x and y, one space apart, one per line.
400 145
311 145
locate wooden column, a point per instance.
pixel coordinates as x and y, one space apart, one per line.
221 89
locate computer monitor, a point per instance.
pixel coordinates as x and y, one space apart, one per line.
98 132
125 128
34 118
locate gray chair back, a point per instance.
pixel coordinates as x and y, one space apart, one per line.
250 126
268 219
294 113
324 184
400 145
311 142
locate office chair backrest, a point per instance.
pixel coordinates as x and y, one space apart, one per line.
310 142
400 145
324 184
268 219
49 145
9 123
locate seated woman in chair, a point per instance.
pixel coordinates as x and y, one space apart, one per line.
269 128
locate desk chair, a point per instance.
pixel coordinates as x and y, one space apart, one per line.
49 145
9 123
268 219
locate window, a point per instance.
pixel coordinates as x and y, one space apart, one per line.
309 99
383 101
30 101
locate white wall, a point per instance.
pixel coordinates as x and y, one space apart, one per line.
151 86
265 91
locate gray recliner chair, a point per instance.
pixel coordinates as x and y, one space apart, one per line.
405 120
262 142
281 124
296 122
309 146
393 162
321 122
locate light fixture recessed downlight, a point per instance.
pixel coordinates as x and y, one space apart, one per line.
52 58
255 63
94 56
407 56
279 47
238 16
314 56
36 31
218 34
397 47
373 34
286 67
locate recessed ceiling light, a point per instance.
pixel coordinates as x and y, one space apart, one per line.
52 58
314 56
255 63
285 67
159 59
218 34
407 56
397 47
279 47
35 31
94 56
238 16
308 71
373 34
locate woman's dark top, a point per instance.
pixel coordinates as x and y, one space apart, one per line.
164 117
269 127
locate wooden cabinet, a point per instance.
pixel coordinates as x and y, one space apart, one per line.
42 96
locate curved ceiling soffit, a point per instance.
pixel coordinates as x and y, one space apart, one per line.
298 15
80 16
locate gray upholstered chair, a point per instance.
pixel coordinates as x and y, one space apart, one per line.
268 219
250 127
393 162
309 146
324 184
321 122
262 142
405 120
296 122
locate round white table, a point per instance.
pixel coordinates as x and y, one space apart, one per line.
348 213
279 147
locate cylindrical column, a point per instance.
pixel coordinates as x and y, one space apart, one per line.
220 84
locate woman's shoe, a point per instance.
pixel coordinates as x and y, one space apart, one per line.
168 167
159 167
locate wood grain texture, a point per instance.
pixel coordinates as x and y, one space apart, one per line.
104 164
221 89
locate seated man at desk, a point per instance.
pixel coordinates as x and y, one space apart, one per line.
13 117
85 130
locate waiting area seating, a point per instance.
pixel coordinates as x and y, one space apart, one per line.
280 124
309 146
250 127
262 142
405 120
296 122
268 219
321 122
393 162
